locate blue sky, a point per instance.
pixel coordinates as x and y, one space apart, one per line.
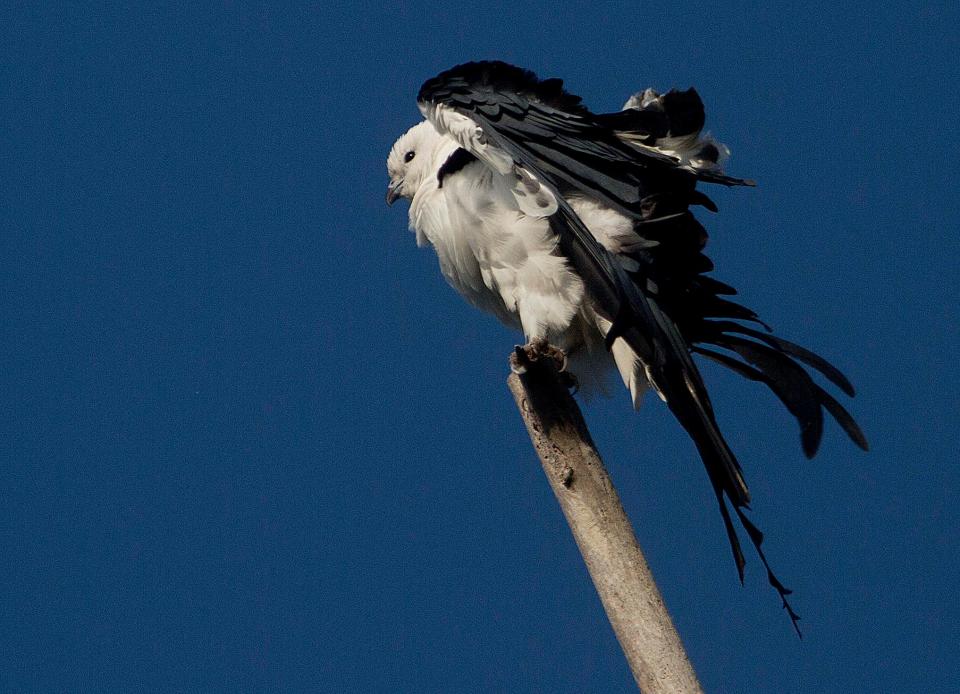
250 441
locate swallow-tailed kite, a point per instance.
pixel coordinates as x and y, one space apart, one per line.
576 227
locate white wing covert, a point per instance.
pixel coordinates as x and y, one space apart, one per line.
532 197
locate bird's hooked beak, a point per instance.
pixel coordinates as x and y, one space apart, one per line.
393 191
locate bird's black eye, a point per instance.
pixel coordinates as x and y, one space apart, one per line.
409 155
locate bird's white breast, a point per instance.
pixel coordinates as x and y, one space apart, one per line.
500 259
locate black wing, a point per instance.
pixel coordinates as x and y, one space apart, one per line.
664 307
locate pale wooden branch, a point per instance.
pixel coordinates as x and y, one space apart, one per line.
602 530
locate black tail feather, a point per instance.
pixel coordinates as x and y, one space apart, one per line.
687 398
738 557
756 537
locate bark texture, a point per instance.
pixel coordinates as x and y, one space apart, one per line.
602 530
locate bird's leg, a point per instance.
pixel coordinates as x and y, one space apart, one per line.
539 348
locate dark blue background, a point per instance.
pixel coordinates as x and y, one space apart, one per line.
250 441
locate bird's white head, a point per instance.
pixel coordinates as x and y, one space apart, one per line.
411 160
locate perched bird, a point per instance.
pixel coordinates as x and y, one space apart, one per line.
576 227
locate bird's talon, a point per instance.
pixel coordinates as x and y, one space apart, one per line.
538 348
519 361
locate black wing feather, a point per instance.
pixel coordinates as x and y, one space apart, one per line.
790 383
795 350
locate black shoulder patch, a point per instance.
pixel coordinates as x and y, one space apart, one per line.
454 163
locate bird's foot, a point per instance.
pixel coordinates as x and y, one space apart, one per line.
524 356
535 350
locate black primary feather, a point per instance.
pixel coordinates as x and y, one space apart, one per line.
666 308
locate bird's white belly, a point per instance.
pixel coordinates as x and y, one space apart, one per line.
497 257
